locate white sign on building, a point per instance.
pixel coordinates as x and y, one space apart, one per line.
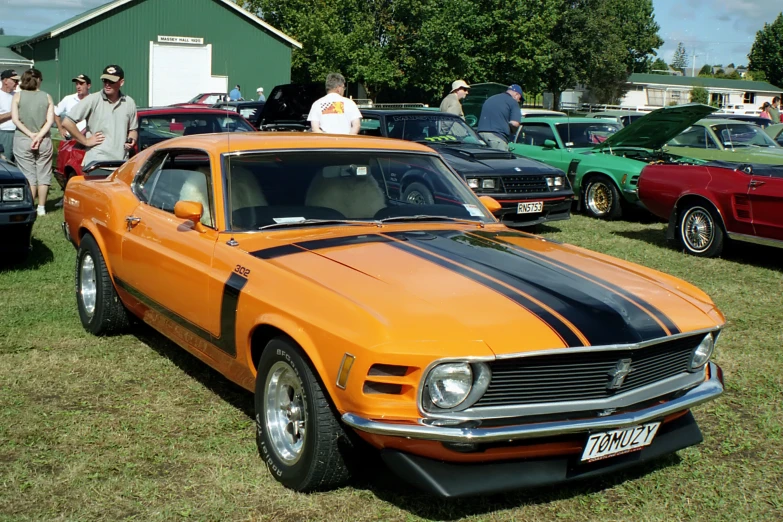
190 40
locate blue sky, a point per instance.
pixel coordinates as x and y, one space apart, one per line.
718 31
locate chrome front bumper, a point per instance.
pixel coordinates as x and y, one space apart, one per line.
704 392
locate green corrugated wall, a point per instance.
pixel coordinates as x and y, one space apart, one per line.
241 50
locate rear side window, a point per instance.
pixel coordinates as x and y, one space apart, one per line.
535 134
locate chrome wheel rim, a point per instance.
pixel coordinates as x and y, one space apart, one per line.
416 198
285 412
87 285
599 198
698 229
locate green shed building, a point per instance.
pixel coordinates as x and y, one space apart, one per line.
170 50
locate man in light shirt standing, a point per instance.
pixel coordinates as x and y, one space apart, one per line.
9 80
334 113
83 85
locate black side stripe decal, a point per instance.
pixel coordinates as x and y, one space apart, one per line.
663 318
318 244
228 313
559 327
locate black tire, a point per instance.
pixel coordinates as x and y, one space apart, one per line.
105 314
418 194
317 463
601 199
699 231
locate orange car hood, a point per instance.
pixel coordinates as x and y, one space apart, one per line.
515 292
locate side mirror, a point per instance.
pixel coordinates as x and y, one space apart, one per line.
550 144
192 211
491 203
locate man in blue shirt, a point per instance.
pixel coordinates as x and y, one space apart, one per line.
498 114
235 95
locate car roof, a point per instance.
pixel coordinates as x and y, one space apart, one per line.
560 120
715 121
417 112
154 111
600 114
261 141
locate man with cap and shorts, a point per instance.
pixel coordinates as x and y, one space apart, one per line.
9 80
82 83
498 114
260 92
111 120
452 103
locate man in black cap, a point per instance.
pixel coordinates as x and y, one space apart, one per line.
498 115
111 120
82 84
9 80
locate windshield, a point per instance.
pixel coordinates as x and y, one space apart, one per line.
431 128
291 187
576 135
161 127
734 135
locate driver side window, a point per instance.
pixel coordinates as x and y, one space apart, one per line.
535 134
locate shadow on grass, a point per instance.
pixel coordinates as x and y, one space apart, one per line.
655 237
39 256
391 489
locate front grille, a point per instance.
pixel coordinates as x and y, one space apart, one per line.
525 184
583 376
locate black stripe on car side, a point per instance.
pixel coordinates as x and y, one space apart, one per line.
318 244
598 314
638 301
569 337
228 313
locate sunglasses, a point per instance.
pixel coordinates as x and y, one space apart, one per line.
105 81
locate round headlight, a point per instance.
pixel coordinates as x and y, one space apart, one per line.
449 384
703 352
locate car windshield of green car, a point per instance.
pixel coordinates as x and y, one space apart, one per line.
582 135
431 129
734 135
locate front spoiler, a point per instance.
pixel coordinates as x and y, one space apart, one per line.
704 392
448 479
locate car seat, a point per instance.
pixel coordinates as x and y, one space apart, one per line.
344 189
194 188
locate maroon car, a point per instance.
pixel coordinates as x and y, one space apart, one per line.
205 99
156 125
706 205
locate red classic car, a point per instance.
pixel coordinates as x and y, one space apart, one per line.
156 125
205 99
706 205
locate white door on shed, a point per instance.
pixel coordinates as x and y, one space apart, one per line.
180 72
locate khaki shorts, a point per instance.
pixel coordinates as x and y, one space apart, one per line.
36 165
494 140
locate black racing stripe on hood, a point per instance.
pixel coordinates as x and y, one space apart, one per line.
662 317
600 315
318 244
568 336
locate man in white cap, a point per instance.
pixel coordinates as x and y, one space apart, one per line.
260 92
452 103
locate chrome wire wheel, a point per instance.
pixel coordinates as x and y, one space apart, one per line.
599 198
285 412
416 198
698 229
88 289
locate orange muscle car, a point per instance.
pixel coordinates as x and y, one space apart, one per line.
475 358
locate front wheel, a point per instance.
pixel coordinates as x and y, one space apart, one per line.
418 194
100 309
602 199
700 234
298 434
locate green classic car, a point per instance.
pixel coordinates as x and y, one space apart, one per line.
727 140
603 161
775 132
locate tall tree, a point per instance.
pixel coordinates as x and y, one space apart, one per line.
680 58
766 55
659 67
706 70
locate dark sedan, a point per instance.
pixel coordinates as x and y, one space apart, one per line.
17 212
250 110
529 192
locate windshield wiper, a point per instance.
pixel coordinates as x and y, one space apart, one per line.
424 217
320 222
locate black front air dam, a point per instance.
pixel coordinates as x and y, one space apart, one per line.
456 480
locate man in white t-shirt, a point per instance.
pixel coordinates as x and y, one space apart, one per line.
83 84
334 113
8 82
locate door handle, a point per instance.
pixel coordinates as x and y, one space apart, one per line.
132 221
755 183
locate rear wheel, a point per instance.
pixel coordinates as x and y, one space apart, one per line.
418 194
100 309
700 232
298 434
601 198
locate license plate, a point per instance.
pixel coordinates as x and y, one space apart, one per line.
617 442
529 208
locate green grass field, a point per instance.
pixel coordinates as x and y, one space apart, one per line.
132 427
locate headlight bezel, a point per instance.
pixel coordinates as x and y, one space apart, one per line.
698 360
481 376
6 199
473 183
